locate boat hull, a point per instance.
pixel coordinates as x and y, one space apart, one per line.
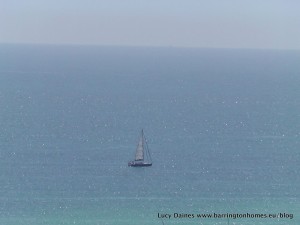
139 164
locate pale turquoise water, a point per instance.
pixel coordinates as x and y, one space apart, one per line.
222 125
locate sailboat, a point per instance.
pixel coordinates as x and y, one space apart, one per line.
142 153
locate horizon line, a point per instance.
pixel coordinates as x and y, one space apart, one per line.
146 46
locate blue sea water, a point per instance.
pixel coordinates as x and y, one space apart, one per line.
223 127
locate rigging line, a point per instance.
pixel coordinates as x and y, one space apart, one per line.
148 150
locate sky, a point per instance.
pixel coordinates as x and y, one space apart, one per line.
263 24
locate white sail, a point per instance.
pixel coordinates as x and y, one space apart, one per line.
139 155
142 152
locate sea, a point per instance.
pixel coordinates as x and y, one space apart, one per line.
222 125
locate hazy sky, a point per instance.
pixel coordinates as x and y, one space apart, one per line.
185 23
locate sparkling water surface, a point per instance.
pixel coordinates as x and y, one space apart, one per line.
223 127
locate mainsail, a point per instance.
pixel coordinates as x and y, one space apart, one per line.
139 154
